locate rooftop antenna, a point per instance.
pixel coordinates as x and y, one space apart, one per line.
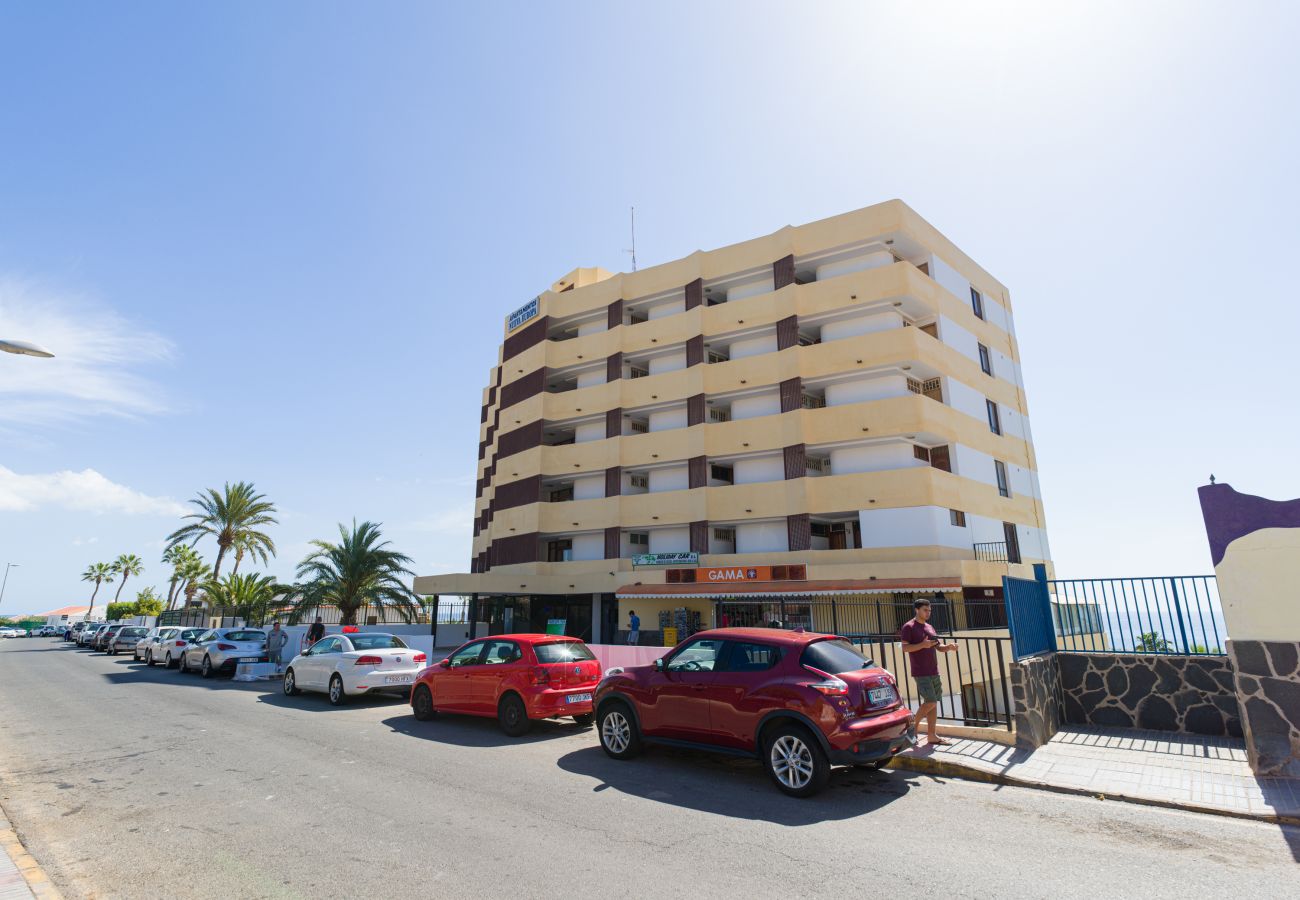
633 250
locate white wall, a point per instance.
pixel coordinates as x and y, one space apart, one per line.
627 548
881 321
863 389
958 338
595 376
762 537
753 346
913 526
671 540
626 484
758 286
589 546
964 398
872 260
589 431
593 327
666 308
589 487
765 404
665 419
717 546
758 469
873 458
669 478
978 466
994 313
669 362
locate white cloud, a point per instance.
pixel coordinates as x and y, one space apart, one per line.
84 491
94 350
76 542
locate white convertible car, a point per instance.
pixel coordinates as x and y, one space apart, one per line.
344 665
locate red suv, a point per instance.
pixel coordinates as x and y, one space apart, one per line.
515 677
799 702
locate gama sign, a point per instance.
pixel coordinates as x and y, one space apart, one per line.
524 313
723 574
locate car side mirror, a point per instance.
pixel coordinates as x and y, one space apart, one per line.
658 664
446 664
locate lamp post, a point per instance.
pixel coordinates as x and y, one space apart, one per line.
4 584
24 348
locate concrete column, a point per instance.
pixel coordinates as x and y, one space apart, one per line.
595 619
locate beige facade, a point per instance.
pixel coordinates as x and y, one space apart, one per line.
844 395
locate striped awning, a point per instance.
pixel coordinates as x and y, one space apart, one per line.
761 589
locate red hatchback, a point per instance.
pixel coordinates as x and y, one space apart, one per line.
515 677
799 702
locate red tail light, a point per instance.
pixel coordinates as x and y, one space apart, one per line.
829 685
225 646
370 661
180 643
540 676
419 657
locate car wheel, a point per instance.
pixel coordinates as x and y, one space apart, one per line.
183 667
795 761
337 695
148 658
513 715
291 684
205 669
167 662
422 704
584 720
619 736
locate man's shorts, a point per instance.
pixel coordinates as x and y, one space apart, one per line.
930 687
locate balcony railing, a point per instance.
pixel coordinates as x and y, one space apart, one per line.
995 551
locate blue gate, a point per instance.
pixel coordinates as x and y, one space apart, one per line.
1029 614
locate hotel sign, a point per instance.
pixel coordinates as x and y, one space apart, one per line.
524 313
726 574
666 559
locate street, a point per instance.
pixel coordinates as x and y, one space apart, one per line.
125 781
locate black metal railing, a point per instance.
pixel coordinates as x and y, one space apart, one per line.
993 551
1178 614
861 616
976 678
419 613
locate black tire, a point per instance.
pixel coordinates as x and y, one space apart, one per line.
422 703
291 684
586 720
148 658
183 667
617 728
512 715
205 668
337 696
795 760
169 662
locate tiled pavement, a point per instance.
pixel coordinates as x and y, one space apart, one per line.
1206 773
13 886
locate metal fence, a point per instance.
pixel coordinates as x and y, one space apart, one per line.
1179 614
976 678
260 616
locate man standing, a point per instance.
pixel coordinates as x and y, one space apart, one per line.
275 642
634 623
316 631
921 643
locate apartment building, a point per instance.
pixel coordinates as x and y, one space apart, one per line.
832 410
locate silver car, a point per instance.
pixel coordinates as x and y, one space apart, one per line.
88 633
222 649
126 638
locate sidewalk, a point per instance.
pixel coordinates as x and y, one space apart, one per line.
20 876
1204 774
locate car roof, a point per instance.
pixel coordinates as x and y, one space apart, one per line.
766 635
530 638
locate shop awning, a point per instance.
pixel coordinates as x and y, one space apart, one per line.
759 589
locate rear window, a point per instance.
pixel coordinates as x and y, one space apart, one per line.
376 642
134 632
834 657
245 636
562 651
191 633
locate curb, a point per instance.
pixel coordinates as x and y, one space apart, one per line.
969 773
37 881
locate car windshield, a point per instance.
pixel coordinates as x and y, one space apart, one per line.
134 632
245 636
562 652
376 642
834 657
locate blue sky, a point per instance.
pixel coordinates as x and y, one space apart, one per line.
274 242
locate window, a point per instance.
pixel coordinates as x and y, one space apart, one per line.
635 318
377 642
810 402
328 645
941 458
716 356
697 656
559 551
719 415
819 529
560 495
816 464
722 473
977 303
920 452
751 658
562 652
500 653
1013 542
639 481
639 427
834 657
957 518
1000 468
467 656
637 372
638 537
727 535
986 362
995 421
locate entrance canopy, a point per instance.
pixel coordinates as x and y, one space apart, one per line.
723 591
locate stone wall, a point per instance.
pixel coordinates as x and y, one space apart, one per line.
1192 694
1268 682
1036 699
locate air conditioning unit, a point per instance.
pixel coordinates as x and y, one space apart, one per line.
719 415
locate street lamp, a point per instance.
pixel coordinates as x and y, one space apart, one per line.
24 348
4 583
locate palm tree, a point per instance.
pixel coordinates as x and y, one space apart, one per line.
248 595
353 573
193 571
98 573
173 556
245 544
232 517
126 565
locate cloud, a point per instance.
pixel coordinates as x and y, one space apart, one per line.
76 542
95 351
84 491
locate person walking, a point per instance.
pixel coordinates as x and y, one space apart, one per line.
275 642
316 631
922 645
634 626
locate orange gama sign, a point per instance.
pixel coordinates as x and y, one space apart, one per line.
727 574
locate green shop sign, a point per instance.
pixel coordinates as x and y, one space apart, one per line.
666 559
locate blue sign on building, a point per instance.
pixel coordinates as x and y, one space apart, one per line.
524 313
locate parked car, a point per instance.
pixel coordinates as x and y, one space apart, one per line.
515 677
222 649
138 650
105 636
799 702
89 636
345 665
126 639
168 649
7 632
74 631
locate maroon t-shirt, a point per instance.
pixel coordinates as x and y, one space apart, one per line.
923 662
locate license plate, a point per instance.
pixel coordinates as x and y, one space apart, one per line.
578 698
248 659
880 695
398 679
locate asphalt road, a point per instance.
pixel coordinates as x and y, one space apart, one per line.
125 781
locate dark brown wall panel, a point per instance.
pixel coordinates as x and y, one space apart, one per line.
695 407
699 537
525 437
799 529
518 493
791 394
615 314
787 333
526 337
516 549
613 481
613 542
698 471
783 272
695 351
796 462
614 422
695 293
523 387
614 366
